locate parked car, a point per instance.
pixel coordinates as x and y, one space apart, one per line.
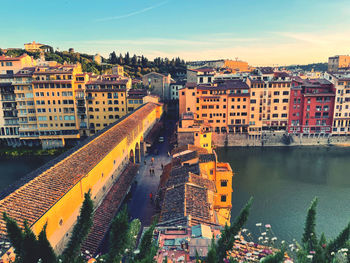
161 139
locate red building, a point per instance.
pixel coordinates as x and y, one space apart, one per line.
311 106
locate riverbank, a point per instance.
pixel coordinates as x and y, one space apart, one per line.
10 152
279 139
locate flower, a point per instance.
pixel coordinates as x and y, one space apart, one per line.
258 224
260 238
274 238
332 254
263 233
268 226
237 236
309 256
312 252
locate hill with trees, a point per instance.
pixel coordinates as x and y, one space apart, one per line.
315 66
134 66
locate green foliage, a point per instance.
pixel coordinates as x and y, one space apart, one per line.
212 256
309 240
148 248
315 66
80 230
14 233
27 247
118 238
133 232
277 257
339 242
46 251
227 239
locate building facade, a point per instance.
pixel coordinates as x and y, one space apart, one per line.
311 107
337 62
158 83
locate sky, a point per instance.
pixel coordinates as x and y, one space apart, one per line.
261 32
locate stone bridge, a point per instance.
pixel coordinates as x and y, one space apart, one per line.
54 193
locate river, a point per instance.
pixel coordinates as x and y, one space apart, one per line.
12 169
284 180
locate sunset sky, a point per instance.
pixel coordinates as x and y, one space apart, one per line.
265 32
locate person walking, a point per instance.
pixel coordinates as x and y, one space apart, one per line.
151 196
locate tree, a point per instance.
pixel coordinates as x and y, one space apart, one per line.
127 59
309 240
80 230
118 237
27 246
339 242
148 248
46 252
277 257
14 233
212 256
225 243
133 232
113 58
134 61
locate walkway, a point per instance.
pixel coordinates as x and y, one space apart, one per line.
140 205
107 210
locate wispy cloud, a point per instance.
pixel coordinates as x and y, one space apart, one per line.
132 13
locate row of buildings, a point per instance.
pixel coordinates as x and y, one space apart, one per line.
52 104
266 100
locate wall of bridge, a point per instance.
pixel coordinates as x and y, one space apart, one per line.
61 217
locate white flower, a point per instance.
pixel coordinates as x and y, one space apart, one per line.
263 233
282 242
332 254
258 224
309 256
237 236
260 238
244 230
274 238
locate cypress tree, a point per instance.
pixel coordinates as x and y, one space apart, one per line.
227 239
14 233
30 252
148 249
309 240
212 256
45 249
118 236
339 242
80 230
275 258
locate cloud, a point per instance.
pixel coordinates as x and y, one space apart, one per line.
132 13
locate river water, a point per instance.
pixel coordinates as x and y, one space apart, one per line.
284 180
12 169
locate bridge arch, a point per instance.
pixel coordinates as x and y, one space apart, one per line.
137 153
132 156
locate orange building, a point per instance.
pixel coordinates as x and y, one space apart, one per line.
224 106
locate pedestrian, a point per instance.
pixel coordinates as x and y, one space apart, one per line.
144 162
151 196
162 166
150 171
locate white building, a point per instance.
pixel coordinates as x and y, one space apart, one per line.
174 89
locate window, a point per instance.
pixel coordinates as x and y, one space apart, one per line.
223 198
223 183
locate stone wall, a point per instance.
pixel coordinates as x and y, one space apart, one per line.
277 139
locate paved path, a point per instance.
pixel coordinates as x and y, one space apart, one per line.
140 205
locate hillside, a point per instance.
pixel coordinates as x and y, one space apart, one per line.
134 66
315 66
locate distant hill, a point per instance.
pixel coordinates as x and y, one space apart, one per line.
134 66
315 66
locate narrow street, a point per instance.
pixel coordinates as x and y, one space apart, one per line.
140 204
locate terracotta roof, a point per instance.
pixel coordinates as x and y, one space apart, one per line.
108 82
30 201
7 58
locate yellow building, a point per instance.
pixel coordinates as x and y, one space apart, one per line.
269 103
54 99
106 101
11 65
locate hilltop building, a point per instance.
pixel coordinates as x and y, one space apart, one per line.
11 65
37 47
158 83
